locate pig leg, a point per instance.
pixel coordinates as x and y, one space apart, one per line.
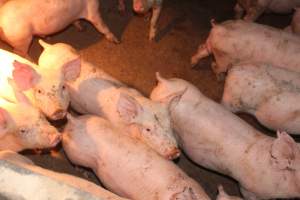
248 195
239 11
99 24
253 13
203 51
153 24
21 46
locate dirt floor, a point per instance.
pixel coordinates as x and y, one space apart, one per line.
183 25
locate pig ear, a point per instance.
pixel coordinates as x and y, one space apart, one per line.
285 152
128 107
159 78
173 99
71 69
24 75
44 44
20 96
3 122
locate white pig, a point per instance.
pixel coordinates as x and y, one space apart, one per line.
236 41
39 182
44 87
23 126
124 165
254 8
271 94
144 6
215 138
20 20
96 92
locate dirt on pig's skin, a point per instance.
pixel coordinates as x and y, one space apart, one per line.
183 25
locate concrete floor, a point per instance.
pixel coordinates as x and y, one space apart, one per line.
183 25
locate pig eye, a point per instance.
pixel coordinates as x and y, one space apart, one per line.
148 129
63 87
23 131
39 91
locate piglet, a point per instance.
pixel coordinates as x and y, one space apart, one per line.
213 137
144 6
62 186
235 41
23 126
96 92
269 93
124 165
44 87
21 20
254 8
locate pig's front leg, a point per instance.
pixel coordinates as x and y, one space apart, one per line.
153 26
248 195
239 11
202 52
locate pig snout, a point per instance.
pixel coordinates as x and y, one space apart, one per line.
59 114
173 154
139 8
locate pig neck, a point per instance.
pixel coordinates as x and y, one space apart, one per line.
213 129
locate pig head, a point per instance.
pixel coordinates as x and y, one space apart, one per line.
23 126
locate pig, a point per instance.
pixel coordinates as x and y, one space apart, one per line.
96 92
44 87
215 138
144 6
236 41
224 196
38 175
22 126
254 8
35 17
269 93
131 169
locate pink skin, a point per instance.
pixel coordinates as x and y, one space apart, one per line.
44 87
96 92
213 137
271 94
43 175
236 41
118 160
254 8
23 127
42 18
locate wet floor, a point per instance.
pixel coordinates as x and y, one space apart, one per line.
183 25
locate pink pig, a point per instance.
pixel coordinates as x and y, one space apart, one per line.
20 20
143 6
124 165
213 137
44 87
254 8
23 126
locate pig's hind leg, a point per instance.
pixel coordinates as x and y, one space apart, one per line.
99 24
